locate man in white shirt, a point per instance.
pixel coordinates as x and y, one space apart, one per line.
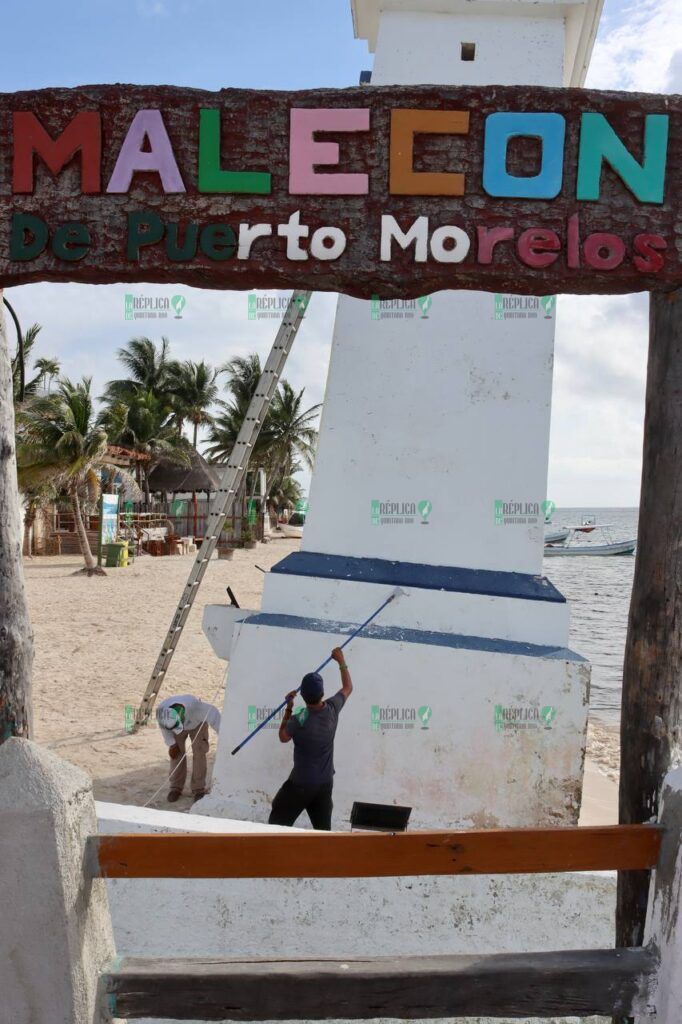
180 718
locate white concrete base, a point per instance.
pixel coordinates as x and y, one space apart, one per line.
55 930
452 727
664 914
337 917
494 617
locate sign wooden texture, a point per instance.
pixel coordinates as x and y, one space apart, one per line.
389 191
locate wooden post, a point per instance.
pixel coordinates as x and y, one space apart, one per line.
652 705
664 918
16 638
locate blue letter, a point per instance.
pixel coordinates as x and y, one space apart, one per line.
499 129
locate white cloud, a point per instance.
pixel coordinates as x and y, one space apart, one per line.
635 48
601 341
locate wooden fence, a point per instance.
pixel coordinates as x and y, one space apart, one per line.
606 982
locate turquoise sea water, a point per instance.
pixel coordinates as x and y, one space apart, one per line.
599 593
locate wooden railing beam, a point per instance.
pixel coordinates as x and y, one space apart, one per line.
367 855
576 983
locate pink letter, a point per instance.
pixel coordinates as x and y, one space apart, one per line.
147 124
305 153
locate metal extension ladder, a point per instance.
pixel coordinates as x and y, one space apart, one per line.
230 483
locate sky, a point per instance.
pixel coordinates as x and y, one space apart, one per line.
601 341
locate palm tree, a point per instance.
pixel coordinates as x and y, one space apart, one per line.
44 367
60 442
48 369
285 494
145 426
36 494
148 366
291 434
286 434
243 376
194 392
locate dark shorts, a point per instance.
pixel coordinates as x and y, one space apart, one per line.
292 799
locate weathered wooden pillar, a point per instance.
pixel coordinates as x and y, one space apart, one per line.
16 639
652 673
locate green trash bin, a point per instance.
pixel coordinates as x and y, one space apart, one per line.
114 556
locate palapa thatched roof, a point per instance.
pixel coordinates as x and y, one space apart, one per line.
172 477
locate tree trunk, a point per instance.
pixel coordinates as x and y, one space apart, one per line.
29 521
196 432
16 637
651 718
91 567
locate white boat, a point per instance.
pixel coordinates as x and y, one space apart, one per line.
554 536
571 545
294 526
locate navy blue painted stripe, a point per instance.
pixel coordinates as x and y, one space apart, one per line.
417 574
416 636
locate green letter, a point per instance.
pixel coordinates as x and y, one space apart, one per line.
22 248
144 228
599 142
71 241
211 178
218 242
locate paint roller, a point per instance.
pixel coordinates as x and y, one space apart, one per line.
398 592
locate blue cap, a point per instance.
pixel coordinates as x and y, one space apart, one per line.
312 687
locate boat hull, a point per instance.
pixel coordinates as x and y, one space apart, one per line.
623 547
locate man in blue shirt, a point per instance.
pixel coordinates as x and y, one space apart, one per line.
309 787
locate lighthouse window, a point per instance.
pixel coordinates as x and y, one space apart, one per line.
468 51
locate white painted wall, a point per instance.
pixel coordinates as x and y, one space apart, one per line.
55 930
337 917
504 618
453 409
459 772
510 50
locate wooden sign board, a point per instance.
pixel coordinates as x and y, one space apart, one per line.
396 191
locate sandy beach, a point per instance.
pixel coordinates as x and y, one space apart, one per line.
96 641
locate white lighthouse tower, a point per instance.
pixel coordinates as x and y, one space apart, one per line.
431 476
